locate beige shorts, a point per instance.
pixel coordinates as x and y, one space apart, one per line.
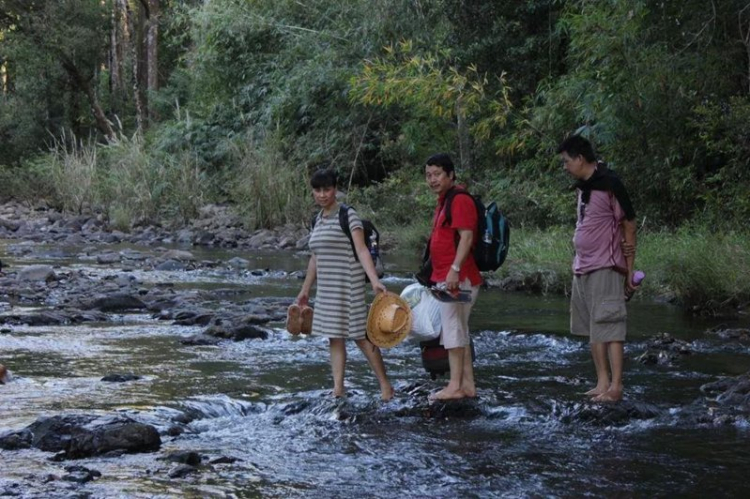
454 319
597 306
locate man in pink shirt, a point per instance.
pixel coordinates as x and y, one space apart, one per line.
602 272
454 231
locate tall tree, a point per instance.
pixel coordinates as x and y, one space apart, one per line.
70 32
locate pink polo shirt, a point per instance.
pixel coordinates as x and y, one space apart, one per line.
598 235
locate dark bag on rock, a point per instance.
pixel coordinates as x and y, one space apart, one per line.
435 357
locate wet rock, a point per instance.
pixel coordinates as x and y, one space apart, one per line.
108 258
725 333
606 414
80 474
120 378
180 255
200 340
31 273
10 225
237 332
45 318
14 440
77 436
238 263
190 318
183 457
170 265
664 350
115 303
224 460
182 471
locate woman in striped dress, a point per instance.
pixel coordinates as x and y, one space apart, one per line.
340 311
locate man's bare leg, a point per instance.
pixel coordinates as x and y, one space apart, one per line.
456 363
599 354
337 346
375 359
467 380
615 350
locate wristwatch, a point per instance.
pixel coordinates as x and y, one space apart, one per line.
455 268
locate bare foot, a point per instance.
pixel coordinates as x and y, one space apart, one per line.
338 393
596 391
469 392
387 393
610 395
446 394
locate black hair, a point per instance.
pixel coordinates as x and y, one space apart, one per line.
324 177
575 145
444 161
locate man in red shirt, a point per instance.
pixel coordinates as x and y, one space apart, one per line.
453 265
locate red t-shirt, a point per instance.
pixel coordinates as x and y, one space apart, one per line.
443 240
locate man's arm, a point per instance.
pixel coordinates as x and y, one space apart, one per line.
629 233
466 238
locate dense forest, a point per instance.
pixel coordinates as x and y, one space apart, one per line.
151 108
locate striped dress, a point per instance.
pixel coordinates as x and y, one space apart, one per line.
340 310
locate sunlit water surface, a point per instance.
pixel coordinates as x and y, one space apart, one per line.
267 403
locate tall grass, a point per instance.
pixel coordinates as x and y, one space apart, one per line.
707 271
704 271
72 168
267 190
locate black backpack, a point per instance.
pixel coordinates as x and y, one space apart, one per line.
491 249
372 237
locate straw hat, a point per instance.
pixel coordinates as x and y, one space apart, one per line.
389 320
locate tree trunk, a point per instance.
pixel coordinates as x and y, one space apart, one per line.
464 137
136 21
152 46
85 86
118 42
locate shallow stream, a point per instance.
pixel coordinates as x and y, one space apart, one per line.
267 404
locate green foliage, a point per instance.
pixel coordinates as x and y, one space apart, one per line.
438 98
706 270
39 40
268 190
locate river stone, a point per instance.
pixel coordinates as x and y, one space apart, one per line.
120 378
107 258
78 436
11 225
37 273
80 474
169 265
200 340
238 263
182 471
14 440
191 458
619 413
725 333
116 303
180 255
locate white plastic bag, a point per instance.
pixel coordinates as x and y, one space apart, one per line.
425 311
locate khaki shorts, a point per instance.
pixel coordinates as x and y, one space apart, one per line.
454 319
597 306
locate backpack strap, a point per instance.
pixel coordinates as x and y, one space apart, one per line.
448 203
344 223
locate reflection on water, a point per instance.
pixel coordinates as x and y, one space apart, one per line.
265 407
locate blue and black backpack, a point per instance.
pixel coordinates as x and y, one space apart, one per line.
491 249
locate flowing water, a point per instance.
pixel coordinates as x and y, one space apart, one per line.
267 404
